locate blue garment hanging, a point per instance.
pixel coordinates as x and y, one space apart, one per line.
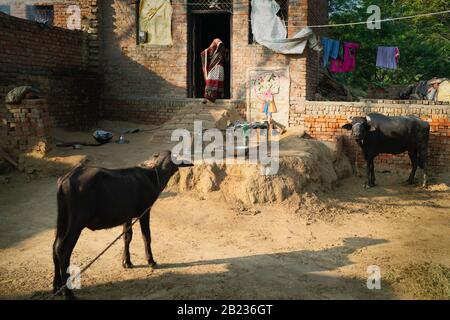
330 49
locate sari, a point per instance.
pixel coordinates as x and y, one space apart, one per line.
213 60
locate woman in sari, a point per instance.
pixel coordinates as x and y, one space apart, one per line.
213 60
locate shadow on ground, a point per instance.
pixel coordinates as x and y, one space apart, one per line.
391 186
301 274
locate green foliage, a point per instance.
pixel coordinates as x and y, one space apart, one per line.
424 42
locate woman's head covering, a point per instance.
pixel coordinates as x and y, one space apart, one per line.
215 45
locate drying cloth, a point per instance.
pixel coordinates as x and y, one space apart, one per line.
270 31
387 57
155 18
348 64
330 49
444 91
296 44
266 25
16 95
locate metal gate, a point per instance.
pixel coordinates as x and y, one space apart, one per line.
210 5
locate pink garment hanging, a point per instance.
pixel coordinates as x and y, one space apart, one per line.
349 62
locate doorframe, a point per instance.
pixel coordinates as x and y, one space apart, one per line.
191 54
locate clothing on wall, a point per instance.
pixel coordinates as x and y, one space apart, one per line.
270 31
330 49
266 25
155 18
296 44
443 93
348 63
388 57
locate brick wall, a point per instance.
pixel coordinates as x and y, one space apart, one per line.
141 71
153 110
323 120
137 72
148 111
60 14
56 61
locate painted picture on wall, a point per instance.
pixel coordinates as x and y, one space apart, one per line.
268 94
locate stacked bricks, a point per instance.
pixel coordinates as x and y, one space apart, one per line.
25 127
323 121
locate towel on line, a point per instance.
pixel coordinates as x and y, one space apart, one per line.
387 57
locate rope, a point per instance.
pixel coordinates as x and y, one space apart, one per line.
240 5
243 5
372 21
108 246
381 20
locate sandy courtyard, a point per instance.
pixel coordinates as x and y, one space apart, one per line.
207 249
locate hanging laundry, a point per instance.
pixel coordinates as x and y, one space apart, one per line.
266 25
330 49
388 57
270 31
443 93
155 18
348 63
296 44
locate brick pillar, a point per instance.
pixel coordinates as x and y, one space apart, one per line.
317 15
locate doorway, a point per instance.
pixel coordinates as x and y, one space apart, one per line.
204 27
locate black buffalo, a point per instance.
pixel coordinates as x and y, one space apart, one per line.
98 198
377 133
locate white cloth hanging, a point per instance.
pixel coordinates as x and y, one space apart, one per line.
270 31
266 25
296 44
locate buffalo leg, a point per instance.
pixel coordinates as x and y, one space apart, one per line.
126 261
145 228
57 280
414 161
370 173
423 166
64 251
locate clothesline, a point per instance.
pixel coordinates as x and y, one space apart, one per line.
337 24
372 21
382 20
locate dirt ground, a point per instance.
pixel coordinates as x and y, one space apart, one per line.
207 249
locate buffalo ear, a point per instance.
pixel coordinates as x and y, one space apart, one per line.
371 127
347 126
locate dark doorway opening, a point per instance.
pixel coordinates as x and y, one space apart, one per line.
204 28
